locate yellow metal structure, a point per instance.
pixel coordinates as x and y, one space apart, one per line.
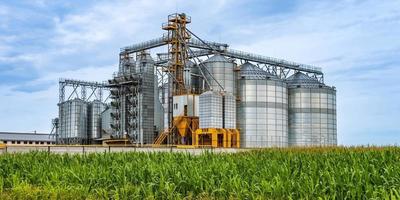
184 129
217 137
160 138
184 125
177 40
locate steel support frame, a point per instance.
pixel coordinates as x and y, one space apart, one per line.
96 90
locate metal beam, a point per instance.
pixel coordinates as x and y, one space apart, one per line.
163 57
209 48
271 61
161 41
83 86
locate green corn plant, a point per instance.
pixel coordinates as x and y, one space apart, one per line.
291 173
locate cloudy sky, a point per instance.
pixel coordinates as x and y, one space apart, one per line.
356 42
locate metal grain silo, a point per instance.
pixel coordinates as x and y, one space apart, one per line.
312 112
210 110
223 71
106 121
262 110
192 77
158 108
146 97
229 111
95 108
73 122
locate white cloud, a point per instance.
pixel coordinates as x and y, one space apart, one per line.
29 111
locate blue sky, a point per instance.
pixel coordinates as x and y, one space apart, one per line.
357 43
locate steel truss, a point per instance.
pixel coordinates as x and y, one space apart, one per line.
183 45
279 67
79 90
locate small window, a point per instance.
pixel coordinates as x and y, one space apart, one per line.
30 142
25 142
13 142
41 142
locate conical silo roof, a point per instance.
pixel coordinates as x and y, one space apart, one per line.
217 58
300 78
250 70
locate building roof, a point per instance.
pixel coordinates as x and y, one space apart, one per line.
250 71
217 58
15 136
300 78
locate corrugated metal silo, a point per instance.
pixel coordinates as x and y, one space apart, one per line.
210 110
73 121
262 109
95 109
312 112
223 71
145 64
158 108
106 121
229 111
196 80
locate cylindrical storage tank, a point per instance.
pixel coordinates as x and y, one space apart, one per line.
262 109
210 110
229 111
196 80
73 121
158 108
95 108
187 77
146 99
223 71
312 112
106 121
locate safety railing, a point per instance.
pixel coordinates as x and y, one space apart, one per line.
273 61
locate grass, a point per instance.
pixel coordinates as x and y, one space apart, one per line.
293 173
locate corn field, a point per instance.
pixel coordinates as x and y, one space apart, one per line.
293 173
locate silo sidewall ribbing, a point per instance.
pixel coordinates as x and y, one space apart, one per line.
223 72
262 111
312 119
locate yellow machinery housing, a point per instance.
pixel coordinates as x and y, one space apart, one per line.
216 137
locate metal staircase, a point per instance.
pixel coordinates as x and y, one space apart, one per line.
162 136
